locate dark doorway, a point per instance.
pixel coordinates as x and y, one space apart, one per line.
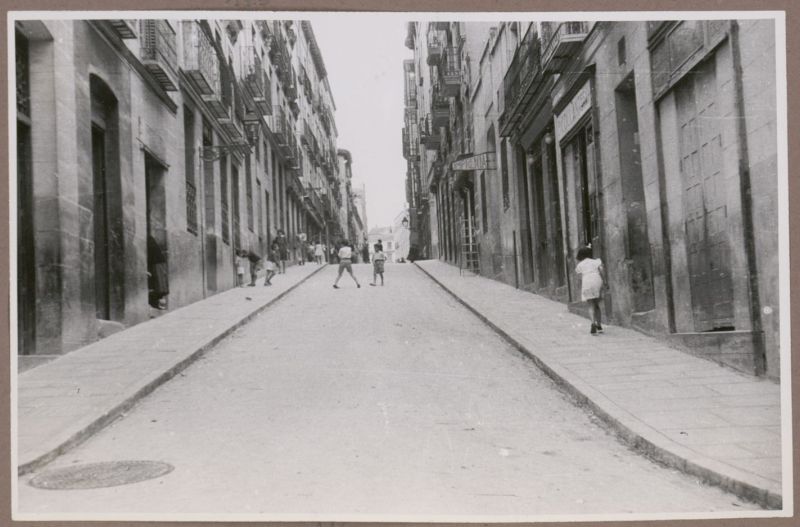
539 241
102 279
557 230
637 242
525 230
105 199
210 212
157 248
26 261
237 235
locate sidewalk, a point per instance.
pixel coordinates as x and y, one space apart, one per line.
686 412
65 401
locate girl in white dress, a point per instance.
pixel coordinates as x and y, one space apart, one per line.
592 282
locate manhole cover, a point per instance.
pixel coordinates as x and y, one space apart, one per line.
99 475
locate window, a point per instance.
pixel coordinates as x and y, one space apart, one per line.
191 189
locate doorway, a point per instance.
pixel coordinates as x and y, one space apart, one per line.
637 241
210 212
156 209
704 198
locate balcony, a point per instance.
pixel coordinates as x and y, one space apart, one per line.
440 109
428 135
562 43
435 48
413 143
125 29
233 129
523 77
252 71
280 128
158 52
200 62
290 85
450 72
293 153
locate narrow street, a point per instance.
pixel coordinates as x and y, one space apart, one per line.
378 400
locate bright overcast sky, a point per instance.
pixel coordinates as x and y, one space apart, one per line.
365 72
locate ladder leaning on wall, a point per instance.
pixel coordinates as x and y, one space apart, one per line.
470 259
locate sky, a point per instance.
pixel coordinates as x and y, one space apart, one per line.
365 72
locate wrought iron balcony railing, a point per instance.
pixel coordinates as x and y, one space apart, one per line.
436 43
450 72
125 29
562 40
200 61
428 134
280 126
158 52
523 75
440 108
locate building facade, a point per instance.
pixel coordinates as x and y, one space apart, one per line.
655 142
201 138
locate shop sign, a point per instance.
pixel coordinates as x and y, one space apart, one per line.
484 161
574 110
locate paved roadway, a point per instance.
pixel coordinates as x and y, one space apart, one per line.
381 400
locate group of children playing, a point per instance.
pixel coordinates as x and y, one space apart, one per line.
255 265
272 263
593 281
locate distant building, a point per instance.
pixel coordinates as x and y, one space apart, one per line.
386 235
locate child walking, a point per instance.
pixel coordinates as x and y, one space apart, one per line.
378 258
272 262
592 282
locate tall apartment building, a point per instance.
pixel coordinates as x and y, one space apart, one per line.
204 136
655 142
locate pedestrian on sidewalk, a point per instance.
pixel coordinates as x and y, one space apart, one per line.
378 258
345 261
255 263
283 251
157 274
319 252
592 284
272 259
240 268
300 248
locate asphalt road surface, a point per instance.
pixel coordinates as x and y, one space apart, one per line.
387 400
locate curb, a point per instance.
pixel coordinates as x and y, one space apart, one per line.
127 404
627 431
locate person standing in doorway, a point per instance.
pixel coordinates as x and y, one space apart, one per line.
592 284
158 274
283 251
345 263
